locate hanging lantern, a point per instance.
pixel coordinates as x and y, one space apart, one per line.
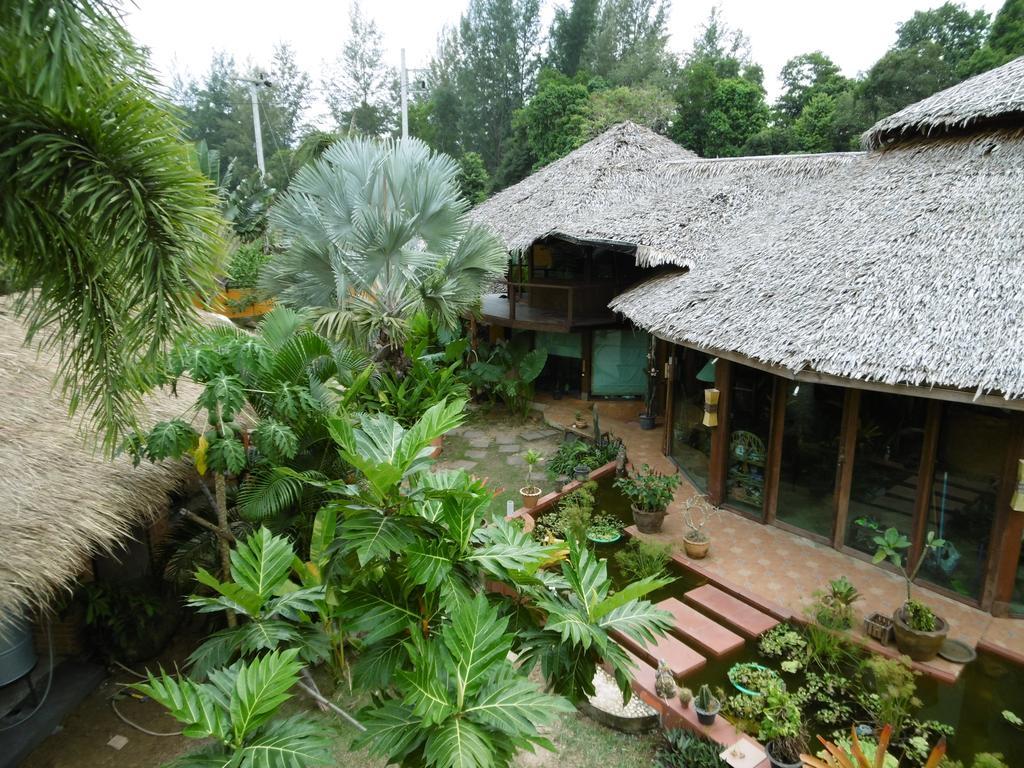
1017 502
710 408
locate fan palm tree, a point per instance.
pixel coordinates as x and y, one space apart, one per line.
375 232
106 224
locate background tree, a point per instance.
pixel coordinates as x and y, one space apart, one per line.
1005 39
107 222
647 105
571 32
957 32
556 118
627 46
496 70
474 181
357 90
804 77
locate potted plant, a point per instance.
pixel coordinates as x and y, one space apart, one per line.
919 632
781 728
706 705
696 514
578 421
530 492
650 493
834 609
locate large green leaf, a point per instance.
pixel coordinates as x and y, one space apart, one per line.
380 612
294 742
459 743
324 526
373 535
424 685
638 620
429 562
476 641
632 591
189 703
392 730
515 705
170 440
262 562
260 688
233 596
226 455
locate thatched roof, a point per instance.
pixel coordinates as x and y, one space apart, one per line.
568 196
901 267
994 97
60 502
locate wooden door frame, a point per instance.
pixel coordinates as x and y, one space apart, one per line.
844 464
718 469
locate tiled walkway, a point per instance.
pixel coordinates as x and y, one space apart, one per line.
782 567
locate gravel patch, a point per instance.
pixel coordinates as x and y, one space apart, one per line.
608 697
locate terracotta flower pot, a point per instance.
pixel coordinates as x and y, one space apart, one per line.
918 645
648 522
530 494
698 550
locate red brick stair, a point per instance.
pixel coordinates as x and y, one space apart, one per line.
696 628
681 658
733 611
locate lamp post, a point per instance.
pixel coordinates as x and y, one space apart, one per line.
261 81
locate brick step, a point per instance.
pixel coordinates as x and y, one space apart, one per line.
733 611
694 627
675 715
681 658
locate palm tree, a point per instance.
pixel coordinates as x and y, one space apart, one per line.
376 232
106 224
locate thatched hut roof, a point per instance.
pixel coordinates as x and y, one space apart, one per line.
900 267
60 502
568 196
995 97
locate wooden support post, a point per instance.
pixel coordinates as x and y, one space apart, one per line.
512 301
844 463
718 470
586 362
670 397
925 479
1007 529
568 322
773 461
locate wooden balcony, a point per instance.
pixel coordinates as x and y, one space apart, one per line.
550 306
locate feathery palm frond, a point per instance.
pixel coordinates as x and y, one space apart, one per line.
106 219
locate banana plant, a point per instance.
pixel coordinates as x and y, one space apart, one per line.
276 611
461 702
580 615
237 709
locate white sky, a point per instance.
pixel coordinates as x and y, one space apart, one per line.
183 34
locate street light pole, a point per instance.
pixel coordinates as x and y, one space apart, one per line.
256 128
405 98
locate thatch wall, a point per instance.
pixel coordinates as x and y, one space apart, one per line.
60 502
902 267
994 98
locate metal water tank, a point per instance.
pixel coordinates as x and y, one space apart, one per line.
17 657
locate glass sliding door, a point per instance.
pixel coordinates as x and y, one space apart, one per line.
691 440
886 464
810 453
973 441
750 405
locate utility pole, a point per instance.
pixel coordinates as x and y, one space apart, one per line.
264 82
405 98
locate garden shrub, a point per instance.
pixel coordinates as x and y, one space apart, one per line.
577 452
639 559
684 749
245 265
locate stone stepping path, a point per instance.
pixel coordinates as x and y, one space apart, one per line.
681 658
733 611
696 628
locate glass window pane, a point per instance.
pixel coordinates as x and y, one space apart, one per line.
810 452
691 440
973 441
886 463
750 406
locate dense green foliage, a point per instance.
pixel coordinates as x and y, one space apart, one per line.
685 749
107 222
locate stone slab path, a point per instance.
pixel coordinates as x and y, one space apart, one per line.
696 628
733 611
681 658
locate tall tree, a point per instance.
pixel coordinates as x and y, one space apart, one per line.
720 95
106 221
571 31
628 42
357 91
499 43
804 77
556 118
289 97
957 32
1005 39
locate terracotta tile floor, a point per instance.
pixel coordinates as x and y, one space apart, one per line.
779 566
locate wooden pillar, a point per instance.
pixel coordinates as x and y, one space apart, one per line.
670 370
925 479
773 461
718 470
1007 529
844 463
586 362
